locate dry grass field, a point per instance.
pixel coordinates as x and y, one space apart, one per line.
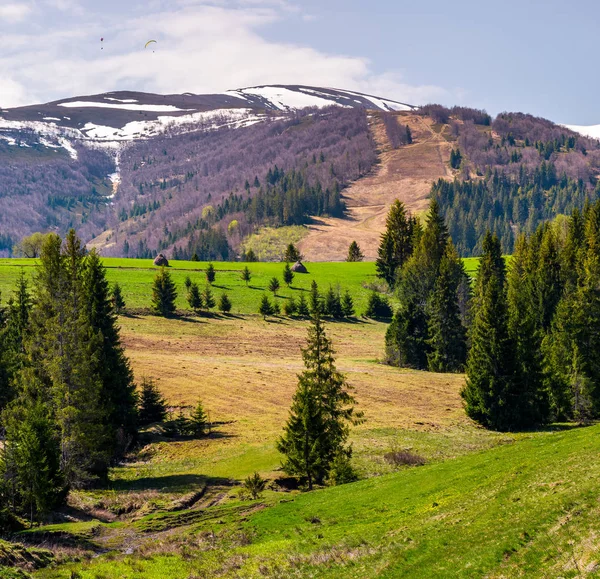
405 173
245 371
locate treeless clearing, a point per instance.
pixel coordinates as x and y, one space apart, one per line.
245 371
405 173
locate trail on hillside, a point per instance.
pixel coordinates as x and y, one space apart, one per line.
405 173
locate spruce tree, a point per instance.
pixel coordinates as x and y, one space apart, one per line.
211 274
224 304
447 336
274 285
118 394
303 309
194 298
318 426
153 407
164 293
246 275
491 393
208 298
116 299
347 305
265 308
31 454
290 307
332 305
288 275
526 329
292 254
354 253
13 337
65 353
198 421
396 243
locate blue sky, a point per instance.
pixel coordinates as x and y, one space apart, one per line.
528 55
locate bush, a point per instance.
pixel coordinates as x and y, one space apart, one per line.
399 458
378 307
254 485
342 471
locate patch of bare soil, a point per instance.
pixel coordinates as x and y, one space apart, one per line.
406 173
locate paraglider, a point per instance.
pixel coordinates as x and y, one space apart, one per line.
149 42
102 44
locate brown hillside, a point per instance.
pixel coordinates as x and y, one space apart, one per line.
405 173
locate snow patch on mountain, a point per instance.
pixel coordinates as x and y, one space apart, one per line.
281 98
124 107
591 131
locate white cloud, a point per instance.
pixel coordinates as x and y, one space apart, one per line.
202 47
14 12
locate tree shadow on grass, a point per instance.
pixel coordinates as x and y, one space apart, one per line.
173 483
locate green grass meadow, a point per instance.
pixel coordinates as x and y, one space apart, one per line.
522 509
135 277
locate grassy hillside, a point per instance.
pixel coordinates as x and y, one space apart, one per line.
523 509
135 277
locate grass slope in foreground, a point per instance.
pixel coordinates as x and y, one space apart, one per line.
525 509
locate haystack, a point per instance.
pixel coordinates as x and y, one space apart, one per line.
299 267
161 260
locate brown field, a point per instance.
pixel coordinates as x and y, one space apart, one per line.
245 371
405 173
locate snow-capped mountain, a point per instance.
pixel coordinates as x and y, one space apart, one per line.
124 115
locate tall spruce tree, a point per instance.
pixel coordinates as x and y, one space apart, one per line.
318 426
164 293
396 244
491 392
526 330
447 341
118 392
573 346
64 352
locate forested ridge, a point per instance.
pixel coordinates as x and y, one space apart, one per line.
512 174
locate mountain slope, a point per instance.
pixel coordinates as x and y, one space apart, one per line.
405 173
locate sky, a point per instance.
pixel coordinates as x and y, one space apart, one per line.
535 56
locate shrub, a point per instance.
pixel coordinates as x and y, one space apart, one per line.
254 485
208 299
178 426
342 471
378 307
265 308
399 458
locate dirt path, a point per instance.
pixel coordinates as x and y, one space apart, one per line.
406 174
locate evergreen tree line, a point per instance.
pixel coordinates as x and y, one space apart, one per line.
505 205
535 345
67 397
428 330
286 198
527 336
